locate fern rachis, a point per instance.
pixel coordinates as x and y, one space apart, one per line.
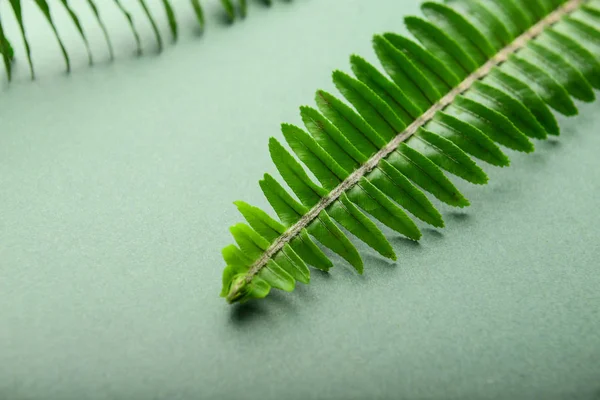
468 89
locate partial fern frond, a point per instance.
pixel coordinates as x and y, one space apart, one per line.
6 49
481 75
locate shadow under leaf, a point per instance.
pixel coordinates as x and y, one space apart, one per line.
243 313
459 215
246 313
405 241
433 233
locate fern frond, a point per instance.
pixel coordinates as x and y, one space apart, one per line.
482 75
6 49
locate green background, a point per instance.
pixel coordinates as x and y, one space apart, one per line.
117 184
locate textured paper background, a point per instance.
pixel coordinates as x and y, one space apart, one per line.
117 183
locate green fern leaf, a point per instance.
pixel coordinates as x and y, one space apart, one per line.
523 93
485 76
7 52
564 73
586 35
129 19
385 89
535 9
45 9
171 18
96 12
577 55
459 28
511 14
424 173
491 122
157 35
468 138
447 155
370 106
18 11
484 21
243 8
399 188
442 45
555 95
229 9
199 12
77 24
405 74
507 105
433 68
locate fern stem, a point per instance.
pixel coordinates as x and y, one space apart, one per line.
519 43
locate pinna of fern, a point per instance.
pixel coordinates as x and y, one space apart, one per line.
480 76
6 48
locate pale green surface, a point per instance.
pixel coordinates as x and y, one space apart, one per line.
117 184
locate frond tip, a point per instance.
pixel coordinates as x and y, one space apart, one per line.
484 74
